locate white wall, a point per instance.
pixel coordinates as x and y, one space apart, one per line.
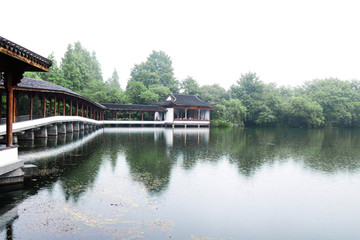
169 115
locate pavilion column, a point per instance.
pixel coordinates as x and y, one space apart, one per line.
185 113
50 107
10 79
82 109
91 112
16 107
71 107
9 108
44 108
31 107
142 116
129 115
198 114
77 108
64 107
55 106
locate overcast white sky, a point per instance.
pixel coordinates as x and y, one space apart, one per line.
283 41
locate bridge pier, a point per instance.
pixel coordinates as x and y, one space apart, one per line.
81 127
41 133
28 135
62 128
69 128
52 130
76 127
86 126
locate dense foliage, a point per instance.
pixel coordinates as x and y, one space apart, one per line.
248 102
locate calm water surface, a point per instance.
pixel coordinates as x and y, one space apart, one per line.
197 184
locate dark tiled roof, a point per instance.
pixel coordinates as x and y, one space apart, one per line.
43 85
186 100
17 49
36 84
134 107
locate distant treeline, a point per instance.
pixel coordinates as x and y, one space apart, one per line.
248 102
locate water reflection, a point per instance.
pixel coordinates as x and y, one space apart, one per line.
74 163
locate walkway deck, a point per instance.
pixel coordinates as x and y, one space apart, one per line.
41 122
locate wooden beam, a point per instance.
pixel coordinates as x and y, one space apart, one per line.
31 107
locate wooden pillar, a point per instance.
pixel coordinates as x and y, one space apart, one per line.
14 109
44 109
91 112
82 109
87 111
185 113
9 107
17 106
50 107
64 107
31 107
55 106
142 116
71 107
77 108
129 115
58 108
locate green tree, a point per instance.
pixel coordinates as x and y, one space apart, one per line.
303 112
134 90
156 70
213 93
113 81
235 111
190 86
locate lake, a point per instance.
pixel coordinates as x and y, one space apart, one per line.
196 184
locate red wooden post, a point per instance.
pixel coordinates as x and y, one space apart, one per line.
87 111
71 107
185 113
198 114
82 109
55 106
31 107
129 115
77 108
50 107
17 105
14 110
44 109
9 108
64 107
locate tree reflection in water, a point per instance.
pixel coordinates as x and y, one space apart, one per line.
73 163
